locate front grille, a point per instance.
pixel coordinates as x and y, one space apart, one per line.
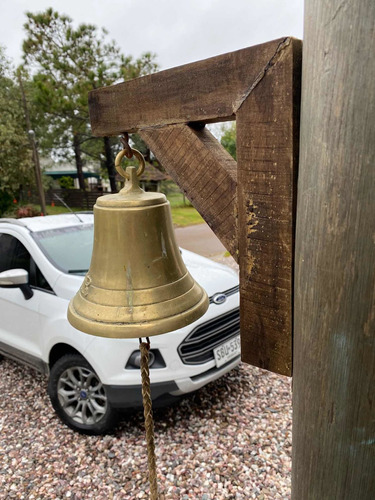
198 346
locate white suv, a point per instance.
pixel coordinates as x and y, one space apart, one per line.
42 264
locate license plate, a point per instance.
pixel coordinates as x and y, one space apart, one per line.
227 351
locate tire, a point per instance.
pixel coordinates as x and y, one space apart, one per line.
78 396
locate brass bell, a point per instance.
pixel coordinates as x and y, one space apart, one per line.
137 284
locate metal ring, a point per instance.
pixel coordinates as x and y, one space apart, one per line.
121 155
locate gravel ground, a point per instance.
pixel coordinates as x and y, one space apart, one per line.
230 440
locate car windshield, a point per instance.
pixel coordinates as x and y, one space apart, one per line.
68 248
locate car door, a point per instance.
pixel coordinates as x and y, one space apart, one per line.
20 336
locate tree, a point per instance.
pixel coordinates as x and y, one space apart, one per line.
228 139
15 156
67 63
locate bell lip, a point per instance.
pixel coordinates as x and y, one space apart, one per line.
144 329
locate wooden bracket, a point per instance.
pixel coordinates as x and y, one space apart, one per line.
251 205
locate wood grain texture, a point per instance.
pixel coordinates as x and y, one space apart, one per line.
205 172
334 339
209 91
267 156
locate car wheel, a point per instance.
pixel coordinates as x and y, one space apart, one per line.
78 396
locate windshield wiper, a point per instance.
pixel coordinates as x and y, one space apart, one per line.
77 271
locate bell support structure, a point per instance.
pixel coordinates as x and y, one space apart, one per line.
249 204
252 209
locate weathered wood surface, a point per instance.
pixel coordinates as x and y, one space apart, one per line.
209 91
205 172
334 335
259 87
267 156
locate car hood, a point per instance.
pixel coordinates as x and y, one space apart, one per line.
213 277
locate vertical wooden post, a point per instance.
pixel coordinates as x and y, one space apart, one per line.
334 333
267 156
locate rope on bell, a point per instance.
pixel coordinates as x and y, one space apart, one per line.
149 422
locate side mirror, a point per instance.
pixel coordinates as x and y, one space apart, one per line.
17 278
14 277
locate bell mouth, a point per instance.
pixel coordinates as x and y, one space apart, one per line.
141 321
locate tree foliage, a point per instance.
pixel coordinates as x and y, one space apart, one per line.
228 139
15 156
66 63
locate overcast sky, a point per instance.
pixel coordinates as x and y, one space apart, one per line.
178 31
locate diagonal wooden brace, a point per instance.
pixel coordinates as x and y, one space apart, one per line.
205 171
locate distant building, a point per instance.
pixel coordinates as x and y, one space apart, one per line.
58 170
151 178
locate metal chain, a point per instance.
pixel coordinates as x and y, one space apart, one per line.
149 422
125 142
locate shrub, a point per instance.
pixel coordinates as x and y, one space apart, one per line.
27 211
66 182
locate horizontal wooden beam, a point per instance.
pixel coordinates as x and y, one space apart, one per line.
205 172
211 90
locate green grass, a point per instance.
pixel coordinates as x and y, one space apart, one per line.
177 200
185 216
58 210
182 215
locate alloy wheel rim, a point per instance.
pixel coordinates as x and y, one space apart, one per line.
82 395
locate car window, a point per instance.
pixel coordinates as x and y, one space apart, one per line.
14 255
68 248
